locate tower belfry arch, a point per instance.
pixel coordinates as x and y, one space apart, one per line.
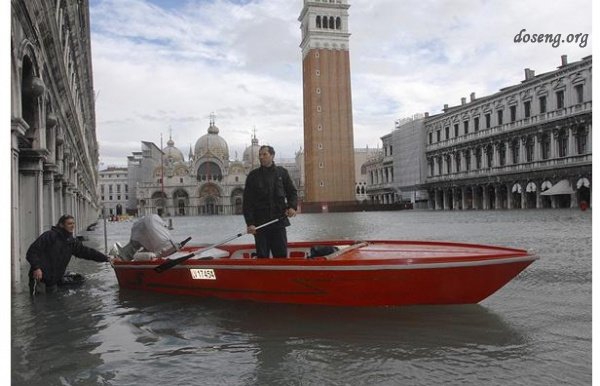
327 100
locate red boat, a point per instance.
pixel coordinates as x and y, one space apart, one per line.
355 273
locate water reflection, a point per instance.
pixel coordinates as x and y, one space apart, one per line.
279 342
47 328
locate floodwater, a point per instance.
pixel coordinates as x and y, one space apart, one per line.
537 330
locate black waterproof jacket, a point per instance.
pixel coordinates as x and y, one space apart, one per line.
52 252
268 193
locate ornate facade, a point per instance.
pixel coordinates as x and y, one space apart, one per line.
508 150
54 151
208 183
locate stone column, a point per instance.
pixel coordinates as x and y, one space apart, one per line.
18 129
30 196
574 203
496 156
498 198
509 153
538 198
523 198
572 148
484 198
57 196
48 199
509 196
464 198
554 144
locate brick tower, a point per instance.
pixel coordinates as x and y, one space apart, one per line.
328 129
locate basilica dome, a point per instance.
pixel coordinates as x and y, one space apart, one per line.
211 144
171 153
250 156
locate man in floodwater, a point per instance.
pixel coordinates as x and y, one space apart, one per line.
51 252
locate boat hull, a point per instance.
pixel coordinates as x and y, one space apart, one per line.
373 275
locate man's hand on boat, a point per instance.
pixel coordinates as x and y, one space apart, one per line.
289 212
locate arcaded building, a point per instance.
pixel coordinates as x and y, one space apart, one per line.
54 151
527 146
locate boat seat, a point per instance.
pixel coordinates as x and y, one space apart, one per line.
243 253
215 253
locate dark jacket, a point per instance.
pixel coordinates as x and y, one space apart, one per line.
268 193
52 252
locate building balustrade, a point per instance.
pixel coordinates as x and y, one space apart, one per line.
509 127
583 159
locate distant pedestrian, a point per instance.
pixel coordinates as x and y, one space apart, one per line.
51 252
269 194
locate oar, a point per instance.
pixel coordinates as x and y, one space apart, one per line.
171 263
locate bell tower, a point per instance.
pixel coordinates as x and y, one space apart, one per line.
327 99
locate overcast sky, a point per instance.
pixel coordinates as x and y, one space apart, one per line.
161 65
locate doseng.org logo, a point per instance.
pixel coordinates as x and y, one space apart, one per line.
554 39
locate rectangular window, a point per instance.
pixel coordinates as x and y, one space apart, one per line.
430 138
476 124
527 108
447 130
542 104
488 120
579 93
513 113
119 197
102 188
500 114
118 188
466 127
126 188
560 99
456 130
439 135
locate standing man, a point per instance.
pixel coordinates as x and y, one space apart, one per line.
51 252
269 194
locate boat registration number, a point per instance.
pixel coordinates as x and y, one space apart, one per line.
203 274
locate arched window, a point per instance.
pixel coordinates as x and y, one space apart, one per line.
331 22
489 150
581 140
529 148
338 23
545 143
209 171
562 143
325 23
502 154
318 21
515 151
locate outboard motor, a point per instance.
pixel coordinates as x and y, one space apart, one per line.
150 233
